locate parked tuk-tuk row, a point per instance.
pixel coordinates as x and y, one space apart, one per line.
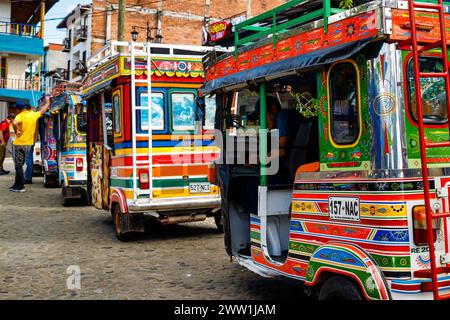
350 107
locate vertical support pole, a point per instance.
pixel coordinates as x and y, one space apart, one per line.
150 126
42 37
326 15
42 18
159 16
274 30
263 133
104 128
236 40
121 22
133 117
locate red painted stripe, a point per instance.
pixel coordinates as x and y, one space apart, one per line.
363 197
166 159
343 164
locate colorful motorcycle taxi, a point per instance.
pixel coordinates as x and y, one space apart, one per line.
362 211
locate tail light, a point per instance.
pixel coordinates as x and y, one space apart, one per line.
79 164
144 181
212 173
38 151
420 226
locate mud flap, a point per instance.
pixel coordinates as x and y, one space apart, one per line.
133 223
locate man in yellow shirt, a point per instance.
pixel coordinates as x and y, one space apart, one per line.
25 127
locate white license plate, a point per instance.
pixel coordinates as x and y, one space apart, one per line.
343 208
200 187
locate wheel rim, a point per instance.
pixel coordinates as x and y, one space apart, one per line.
117 221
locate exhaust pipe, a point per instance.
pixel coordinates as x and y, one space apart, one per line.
182 219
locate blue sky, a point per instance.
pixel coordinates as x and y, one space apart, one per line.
58 11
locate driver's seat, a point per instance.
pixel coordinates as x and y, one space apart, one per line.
305 147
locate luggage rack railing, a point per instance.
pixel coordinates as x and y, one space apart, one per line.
122 48
274 23
276 27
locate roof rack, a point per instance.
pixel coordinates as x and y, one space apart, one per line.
288 16
116 48
281 19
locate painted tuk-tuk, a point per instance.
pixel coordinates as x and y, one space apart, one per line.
63 143
363 209
149 160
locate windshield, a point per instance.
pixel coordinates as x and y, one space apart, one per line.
81 119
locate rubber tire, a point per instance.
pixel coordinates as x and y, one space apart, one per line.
218 219
117 218
339 288
67 202
50 182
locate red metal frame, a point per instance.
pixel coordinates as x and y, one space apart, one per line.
430 215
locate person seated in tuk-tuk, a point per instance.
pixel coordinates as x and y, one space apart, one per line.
287 121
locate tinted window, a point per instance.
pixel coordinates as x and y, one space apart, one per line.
157 111
344 108
183 111
116 109
210 110
432 89
81 119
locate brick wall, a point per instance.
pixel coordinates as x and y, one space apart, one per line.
182 20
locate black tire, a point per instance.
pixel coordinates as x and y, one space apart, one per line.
50 181
66 202
339 288
218 219
117 216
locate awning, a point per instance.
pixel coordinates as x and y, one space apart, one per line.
312 59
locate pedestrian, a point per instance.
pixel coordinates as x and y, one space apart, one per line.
30 158
25 127
4 138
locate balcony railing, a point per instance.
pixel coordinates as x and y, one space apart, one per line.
20 29
20 84
81 33
67 45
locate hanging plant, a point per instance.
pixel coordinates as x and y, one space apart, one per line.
306 104
346 4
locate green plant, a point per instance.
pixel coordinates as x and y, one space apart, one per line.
346 4
306 104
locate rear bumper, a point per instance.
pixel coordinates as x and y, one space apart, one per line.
172 204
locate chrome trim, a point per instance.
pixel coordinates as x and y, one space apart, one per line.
176 204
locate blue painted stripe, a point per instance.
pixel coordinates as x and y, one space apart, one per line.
74 153
255 219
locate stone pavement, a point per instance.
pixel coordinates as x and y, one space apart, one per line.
40 240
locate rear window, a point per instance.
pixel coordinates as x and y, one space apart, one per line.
434 98
183 111
157 111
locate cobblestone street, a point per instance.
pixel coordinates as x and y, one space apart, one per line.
40 239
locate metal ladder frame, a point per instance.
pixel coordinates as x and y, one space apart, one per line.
430 215
146 52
